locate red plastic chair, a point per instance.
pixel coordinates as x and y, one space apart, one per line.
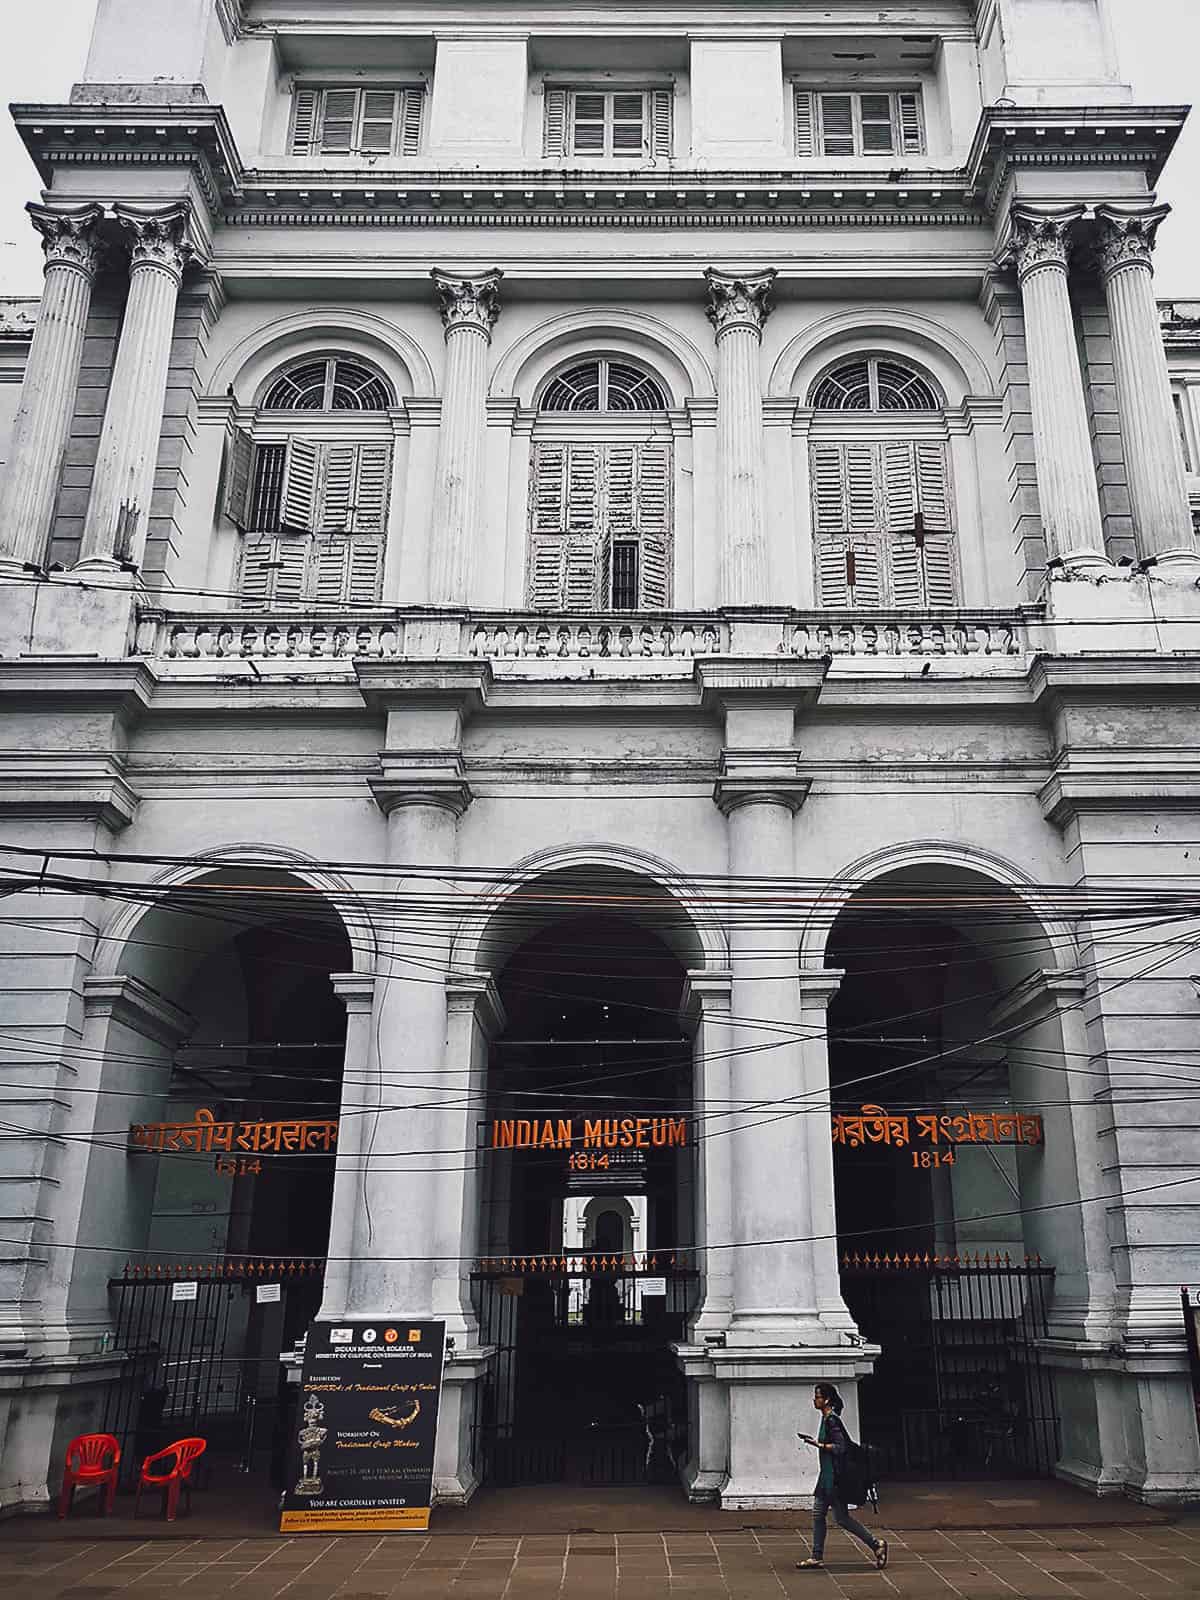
86 1463
183 1455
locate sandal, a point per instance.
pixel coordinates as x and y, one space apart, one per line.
881 1554
809 1565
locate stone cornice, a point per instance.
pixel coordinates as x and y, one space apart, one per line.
1119 788
137 1005
760 777
477 992
1011 137
197 137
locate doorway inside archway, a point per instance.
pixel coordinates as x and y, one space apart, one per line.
221 1208
939 1141
587 1278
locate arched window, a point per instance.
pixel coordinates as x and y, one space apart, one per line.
600 499
329 385
873 384
883 511
603 386
309 485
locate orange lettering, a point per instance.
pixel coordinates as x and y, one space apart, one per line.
592 1134
678 1131
610 1133
523 1137
564 1133
626 1132
642 1124
658 1131
502 1135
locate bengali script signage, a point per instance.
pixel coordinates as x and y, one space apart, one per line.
361 1456
873 1125
588 1133
204 1134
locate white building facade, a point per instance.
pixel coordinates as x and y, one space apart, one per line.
566 561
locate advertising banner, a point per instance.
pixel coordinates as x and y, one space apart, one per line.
361 1455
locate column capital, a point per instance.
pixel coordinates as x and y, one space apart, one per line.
760 778
69 236
707 993
818 985
471 300
476 993
436 779
1041 236
356 991
1126 236
739 300
159 238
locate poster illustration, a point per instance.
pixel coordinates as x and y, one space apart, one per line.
361 1456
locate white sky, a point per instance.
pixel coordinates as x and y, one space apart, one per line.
1158 41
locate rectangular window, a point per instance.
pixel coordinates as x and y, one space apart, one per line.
883 524
624 596
267 495
360 121
600 124
837 123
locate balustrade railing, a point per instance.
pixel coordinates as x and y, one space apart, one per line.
645 643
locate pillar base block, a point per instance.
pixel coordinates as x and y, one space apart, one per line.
1132 610
455 1469
61 619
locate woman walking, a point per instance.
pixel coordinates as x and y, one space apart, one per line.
832 1442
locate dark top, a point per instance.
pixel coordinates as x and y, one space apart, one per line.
832 1431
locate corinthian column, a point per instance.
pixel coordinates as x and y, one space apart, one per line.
1153 458
43 420
1066 471
470 306
119 510
737 308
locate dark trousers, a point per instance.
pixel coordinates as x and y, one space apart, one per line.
826 1500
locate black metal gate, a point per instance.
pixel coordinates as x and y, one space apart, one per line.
960 1388
203 1348
583 1387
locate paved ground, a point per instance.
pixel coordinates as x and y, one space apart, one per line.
1141 1562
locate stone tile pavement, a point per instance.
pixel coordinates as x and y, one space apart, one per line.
1141 1561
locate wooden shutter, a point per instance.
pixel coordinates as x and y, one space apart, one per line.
654 524
875 122
379 116
330 563
806 131
837 125
373 488
339 112
583 489
587 123
239 475
907 572
912 129
548 488
298 502
547 570
554 123
340 470
583 575
899 486
662 124
274 570
849 572
862 488
828 490
412 111
933 484
346 571
629 118
620 490
365 575
305 105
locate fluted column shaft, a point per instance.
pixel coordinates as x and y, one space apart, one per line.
738 308
1066 471
43 421
118 513
1153 457
470 306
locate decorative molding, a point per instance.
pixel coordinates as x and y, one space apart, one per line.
760 777
852 216
739 301
160 238
1126 237
69 236
138 1006
471 301
1041 236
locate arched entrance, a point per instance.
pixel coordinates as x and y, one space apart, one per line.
588 1188
952 1129
223 1042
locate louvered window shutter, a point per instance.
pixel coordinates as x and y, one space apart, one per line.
547 570
900 486
629 124
583 489
412 110
549 488
837 125
941 571
833 582
620 490
662 124
828 490
337 491
554 125
346 571
365 575
373 489
379 116
239 470
583 574
654 524
907 572
587 124
933 484
299 499
865 571
257 579
875 120
862 488
330 563
339 112
806 136
274 570
548 522
305 105
912 129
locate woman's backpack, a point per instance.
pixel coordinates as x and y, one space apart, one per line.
854 1476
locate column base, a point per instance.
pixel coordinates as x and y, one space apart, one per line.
1127 610
749 1404
456 1471
66 620
44 1401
